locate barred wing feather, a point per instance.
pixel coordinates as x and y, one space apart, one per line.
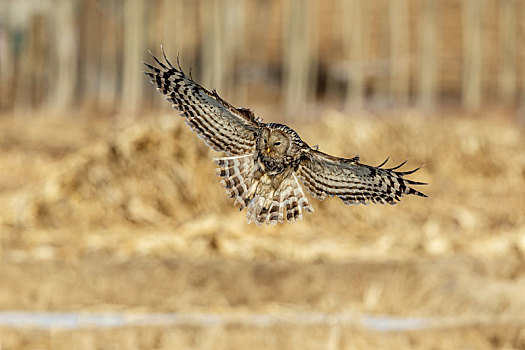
222 127
354 183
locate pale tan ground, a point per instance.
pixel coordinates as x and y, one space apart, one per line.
99 216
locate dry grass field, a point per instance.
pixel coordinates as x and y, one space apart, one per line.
128 217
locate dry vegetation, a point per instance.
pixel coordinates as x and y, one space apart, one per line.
100 217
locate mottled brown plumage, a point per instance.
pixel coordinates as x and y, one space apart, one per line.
265 161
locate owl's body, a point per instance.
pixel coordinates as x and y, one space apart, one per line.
266 162
264 181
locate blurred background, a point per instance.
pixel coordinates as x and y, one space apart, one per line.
377 54
110 209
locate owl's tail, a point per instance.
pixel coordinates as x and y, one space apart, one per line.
237 177
287 203
264 203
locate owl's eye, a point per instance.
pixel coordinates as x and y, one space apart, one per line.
277 143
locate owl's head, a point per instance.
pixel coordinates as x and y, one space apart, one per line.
274 142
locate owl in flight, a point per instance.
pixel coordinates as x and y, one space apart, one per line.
266 163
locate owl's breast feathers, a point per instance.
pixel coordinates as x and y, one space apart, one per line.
270 165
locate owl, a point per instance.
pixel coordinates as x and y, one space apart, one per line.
266 163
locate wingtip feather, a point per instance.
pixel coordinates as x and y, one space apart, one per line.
399 166
384 162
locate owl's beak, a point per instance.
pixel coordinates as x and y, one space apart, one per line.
268 150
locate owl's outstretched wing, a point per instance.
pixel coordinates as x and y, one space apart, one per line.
222 127
353 182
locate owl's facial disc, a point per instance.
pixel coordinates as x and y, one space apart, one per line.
277 143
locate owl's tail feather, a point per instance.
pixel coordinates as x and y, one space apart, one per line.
237 177
265 204
287 203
